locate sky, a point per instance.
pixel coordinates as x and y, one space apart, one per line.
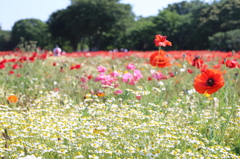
13 10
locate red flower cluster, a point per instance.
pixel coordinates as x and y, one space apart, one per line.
77 66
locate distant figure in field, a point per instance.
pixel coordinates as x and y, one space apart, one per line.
57 51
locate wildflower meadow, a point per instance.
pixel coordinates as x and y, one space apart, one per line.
120 105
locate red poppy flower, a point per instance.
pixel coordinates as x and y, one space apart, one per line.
89 77
2 66
223 61
77 66
209 81
231 64
42 57
161 41
32 59
10 72
72 67
189 70
149 78
158 59
204 68
197 62
12 60
22 59
217 66
15 66
34 54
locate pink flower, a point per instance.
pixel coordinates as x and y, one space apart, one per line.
108 80
116 85
83 79
132 82
127 77
100 77
157 75
131 66
118 92
138 97
137 75
171 74
101 69
56 89
114 74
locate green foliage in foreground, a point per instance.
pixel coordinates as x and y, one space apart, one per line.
170 120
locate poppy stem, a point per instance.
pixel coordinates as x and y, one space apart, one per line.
159 48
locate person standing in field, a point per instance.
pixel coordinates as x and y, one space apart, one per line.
57 51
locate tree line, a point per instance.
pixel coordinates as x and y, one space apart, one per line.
109 24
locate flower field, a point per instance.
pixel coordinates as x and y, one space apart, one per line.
123 105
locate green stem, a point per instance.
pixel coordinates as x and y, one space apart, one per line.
159 48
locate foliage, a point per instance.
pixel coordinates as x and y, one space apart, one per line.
219 17
5 37
139 35
30 30
225 40
91 22
185 7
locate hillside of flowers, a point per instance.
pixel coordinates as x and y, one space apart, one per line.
121 105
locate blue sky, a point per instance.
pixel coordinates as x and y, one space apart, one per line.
14 10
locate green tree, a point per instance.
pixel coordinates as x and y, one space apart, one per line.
30 30
229 15
140 35
226 41
217 41
185 7
5 37
96 23
221 16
